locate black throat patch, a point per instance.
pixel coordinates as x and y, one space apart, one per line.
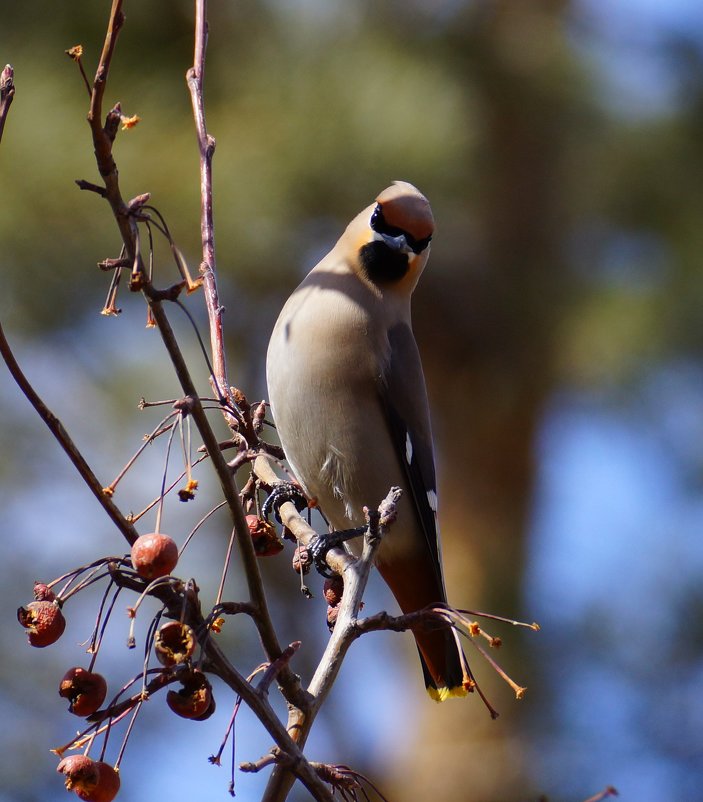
382 264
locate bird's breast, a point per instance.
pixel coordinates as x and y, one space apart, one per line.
324 362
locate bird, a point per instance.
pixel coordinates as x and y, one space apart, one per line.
349 401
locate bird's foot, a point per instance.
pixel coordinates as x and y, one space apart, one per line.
282 492
322 544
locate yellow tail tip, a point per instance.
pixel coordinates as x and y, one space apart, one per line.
444 693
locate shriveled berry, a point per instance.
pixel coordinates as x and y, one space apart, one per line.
263 536
194 700
174 643
81 773
85 690
43 592
154 555
43 621
106 788
301 560
333 589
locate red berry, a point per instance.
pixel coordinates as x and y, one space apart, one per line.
154 555
107 786
174 643
43 621
84 690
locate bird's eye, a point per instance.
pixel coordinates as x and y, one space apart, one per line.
380 226
377 217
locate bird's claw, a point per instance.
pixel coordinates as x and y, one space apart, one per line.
321 545
280 494
318 549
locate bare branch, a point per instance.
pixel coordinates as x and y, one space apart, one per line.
355 574
195 75
125 217
206 144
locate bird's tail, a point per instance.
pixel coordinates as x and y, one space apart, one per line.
441 660
443 663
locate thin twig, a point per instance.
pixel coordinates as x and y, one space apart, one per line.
206 144
102 136
225 566
147 441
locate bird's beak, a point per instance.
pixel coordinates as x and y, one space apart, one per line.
399 243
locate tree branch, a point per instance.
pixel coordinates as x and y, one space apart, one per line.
288 681
206 145
355 575
303 705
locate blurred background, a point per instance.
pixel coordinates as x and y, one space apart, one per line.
559 320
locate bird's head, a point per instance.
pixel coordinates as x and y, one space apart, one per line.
402 219
395 239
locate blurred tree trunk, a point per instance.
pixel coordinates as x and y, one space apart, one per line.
488 331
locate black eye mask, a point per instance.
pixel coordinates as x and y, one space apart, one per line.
380 226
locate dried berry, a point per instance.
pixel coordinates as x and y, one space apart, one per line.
194 700
81 773
43 621
174 643
107 786
211 709
301 560
85 690
333 589
154 555
263 536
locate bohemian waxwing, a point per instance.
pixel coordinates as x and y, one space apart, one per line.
348 397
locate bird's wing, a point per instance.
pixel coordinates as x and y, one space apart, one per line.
404 399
